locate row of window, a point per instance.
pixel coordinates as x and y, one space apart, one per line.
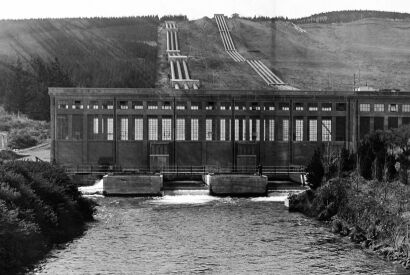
244 129
138 105
379 107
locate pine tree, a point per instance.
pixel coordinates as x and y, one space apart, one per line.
315 170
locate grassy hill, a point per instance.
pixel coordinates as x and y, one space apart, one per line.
308 56
103 52
130 52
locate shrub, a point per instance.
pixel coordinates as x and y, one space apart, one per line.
315 170
21 139
39 206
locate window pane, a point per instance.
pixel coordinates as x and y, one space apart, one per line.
194 129
299 130
62 127
166 129
285 130
222 131
326 130
124 129
180 129
110 129
139 129
208 130
312 130
236 129
271 129
152 129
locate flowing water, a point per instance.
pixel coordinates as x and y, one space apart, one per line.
196 233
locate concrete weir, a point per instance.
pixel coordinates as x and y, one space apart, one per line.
237 185
132 185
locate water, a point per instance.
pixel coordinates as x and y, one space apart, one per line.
199 234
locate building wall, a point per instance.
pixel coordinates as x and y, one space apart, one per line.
342 119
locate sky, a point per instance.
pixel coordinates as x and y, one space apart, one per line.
194 9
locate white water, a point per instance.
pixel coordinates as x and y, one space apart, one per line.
96 189
184 199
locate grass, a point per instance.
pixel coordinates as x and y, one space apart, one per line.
97 52
117 53
324 57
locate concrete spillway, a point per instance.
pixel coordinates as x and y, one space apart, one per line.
180 75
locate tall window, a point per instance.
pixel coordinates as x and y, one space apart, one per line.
95 126
62 127
243 129
139 129
222 127
299 130
406 108
258 129
250 129
152 129
124 129
208 129
326 130
271 129
312 130
285 130
110 128
166 129
194 129
236 129
180 129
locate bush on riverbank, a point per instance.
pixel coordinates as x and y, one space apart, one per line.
369 212
39 207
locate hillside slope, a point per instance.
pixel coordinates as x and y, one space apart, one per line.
130 52
103 52
310 56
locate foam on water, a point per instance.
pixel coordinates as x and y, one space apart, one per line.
270 199
96 189
184 199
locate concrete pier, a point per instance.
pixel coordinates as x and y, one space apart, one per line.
132 185
237 185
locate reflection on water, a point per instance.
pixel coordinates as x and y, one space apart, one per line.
203 234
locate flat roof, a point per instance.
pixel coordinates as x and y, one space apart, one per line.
69 91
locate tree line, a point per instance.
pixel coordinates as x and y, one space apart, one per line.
27 87
349 16
331 17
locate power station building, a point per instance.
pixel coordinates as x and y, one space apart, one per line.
154 128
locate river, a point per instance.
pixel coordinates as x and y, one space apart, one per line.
199 234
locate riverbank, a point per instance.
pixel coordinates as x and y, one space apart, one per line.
372 214
39 208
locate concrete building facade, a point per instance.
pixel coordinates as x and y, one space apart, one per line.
154 128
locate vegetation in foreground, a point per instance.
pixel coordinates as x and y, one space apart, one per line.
39 207
22 131
373 207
